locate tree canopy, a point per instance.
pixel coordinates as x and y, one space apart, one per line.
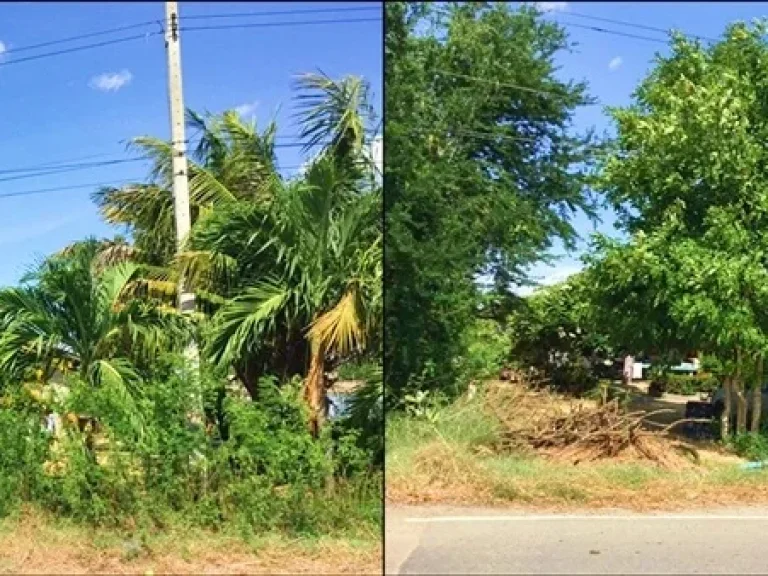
687 177
483 168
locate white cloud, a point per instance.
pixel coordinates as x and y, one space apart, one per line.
615 63
111 81
246 109
3 47
551 6
553 275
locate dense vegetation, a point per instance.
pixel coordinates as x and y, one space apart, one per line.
496 174
219 416
480 178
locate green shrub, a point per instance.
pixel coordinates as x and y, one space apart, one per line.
24 448
574 379
146 464
487 348
684 385
750 446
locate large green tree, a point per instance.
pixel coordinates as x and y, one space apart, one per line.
482 168
688 179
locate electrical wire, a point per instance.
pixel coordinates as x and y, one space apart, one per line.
158 33
503 84
159 22
280 12
70 168
79 48
14 50
63 188
632 25
124 181
56 163
277 24
57 168
615 32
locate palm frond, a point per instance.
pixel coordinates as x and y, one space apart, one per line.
206 268
340 328
332 113
242 322
119 378
113 284
206 189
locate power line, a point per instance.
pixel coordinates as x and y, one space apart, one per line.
158 33
615 32
502 84
158 22
63 163
64 188
56 163
59 168
283 23
32 173
52 168
124 181
79 37
80 48
633 25
280 12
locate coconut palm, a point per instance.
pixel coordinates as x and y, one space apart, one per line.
307 268
231 161
289 270
72 312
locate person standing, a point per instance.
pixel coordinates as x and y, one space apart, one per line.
629 363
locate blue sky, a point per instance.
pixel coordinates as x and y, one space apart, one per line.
71 106
614 65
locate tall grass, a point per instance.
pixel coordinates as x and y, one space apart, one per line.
448 459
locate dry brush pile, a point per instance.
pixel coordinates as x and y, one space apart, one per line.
533 418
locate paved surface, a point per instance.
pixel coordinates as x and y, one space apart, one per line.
438 540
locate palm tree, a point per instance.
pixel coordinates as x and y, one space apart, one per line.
232 161
314 280
72 311
309 266
289 270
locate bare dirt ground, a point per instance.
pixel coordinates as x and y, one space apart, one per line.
32 545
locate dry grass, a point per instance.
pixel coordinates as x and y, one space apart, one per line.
580 432
35 544
455 462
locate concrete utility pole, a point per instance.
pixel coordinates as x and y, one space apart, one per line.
178 140
181 183
377 152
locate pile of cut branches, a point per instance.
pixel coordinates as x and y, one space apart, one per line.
579 431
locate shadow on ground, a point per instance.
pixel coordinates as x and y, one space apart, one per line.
665 411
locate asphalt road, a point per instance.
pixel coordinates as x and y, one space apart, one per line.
439 540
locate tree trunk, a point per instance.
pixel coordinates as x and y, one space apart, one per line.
248 374
726 415
314 389
741 398
757 398
741 407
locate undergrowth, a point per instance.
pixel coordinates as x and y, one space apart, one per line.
447 458
254 469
